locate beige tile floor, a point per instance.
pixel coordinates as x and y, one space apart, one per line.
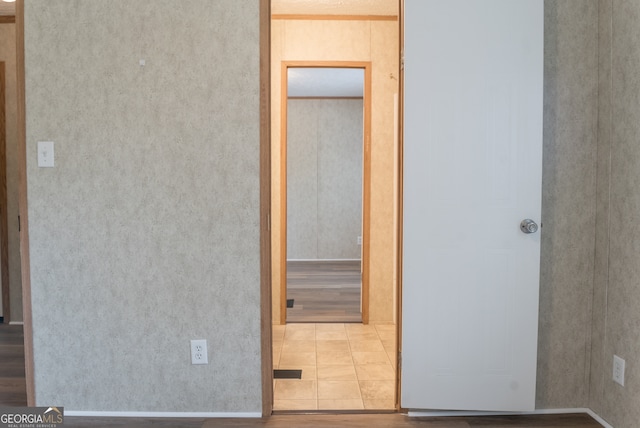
344 366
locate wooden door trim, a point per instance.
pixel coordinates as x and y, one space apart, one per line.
265 208
366 179
366 193
313 17
283 193
400 209
23 208
4 232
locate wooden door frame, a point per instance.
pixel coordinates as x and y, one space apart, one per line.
366 176
4 231
400 207
22 207
266 345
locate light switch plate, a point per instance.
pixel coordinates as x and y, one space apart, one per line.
45 154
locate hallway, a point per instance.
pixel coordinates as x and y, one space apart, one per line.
344 366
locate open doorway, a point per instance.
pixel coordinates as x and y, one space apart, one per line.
341 366
324 191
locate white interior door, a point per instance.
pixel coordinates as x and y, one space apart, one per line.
472 173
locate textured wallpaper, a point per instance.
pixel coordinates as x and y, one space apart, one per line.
616 318
324 178
8 55
302 179
568 203
145 234
600 357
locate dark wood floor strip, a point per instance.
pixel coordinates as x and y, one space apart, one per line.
347 421
13 387
324 291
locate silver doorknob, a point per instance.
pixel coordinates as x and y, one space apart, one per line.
528 226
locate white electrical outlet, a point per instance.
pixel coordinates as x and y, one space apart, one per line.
618 370
199 352
359 240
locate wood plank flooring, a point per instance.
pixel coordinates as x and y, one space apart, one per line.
13 388
345 421
13 394
324 291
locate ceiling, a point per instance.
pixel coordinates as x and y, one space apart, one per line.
7 8
325 82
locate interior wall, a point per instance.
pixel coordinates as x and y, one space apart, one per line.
145 234
8 55
377 42
617 296
335 7
568 203
324 178
117 233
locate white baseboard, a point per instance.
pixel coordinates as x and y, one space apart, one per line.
212 415
598 419
16 322
208 415
427 413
